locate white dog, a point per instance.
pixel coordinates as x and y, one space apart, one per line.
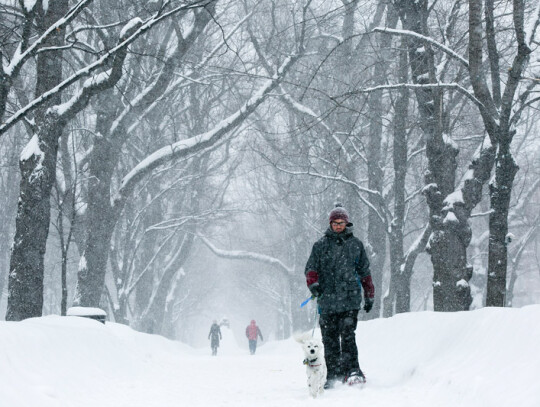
315 364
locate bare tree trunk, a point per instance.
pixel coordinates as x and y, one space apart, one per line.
38 167
516 257
100 224
505 170
376 224
66 209
448 213
398 299
152 319
29 44
70 198
500 194
497 114
65 241
101 216
143 290
8 210
449 240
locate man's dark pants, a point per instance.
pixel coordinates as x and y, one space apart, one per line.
252 346
340 351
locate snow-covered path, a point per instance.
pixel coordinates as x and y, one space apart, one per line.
482 358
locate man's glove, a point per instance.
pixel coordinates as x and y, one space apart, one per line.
312 280
368 304
315 289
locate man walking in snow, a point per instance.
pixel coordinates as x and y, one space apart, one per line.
214 336
252 333
336 272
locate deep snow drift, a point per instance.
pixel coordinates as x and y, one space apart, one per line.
488 357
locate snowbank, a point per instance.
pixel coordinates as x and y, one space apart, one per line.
487 357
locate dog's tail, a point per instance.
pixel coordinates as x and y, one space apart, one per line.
301 336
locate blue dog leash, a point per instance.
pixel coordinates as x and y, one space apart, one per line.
306 301
316 312
315 325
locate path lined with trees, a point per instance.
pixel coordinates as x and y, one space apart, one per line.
134 138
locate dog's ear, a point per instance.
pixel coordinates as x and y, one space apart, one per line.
301 337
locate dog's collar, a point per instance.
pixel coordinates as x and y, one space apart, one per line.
310 362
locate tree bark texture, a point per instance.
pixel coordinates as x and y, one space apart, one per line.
152 319
398 299
449 240
500 194
377 224
38 171
498 123
516 256
100 220
101 215
505 170
143 290
8 210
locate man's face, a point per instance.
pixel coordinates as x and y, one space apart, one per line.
338 225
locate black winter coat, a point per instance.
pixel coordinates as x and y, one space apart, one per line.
214 335
341 262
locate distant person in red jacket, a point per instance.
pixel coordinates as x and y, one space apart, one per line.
252 333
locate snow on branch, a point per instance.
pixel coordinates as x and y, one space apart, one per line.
32 149
305 110
101 81
202 141
20 57
455 86
518 210
333 178
373 193
128 28
289 101
318 120
86 71
525 239
436 44
29 5
418 246
532 25
133 282
469 192
187 77
244 255
146 100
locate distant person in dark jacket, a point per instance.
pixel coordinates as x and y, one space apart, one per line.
252 333
214 336
336 272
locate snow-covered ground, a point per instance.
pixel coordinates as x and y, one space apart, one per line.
488 357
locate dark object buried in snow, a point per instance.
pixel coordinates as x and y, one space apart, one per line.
88 312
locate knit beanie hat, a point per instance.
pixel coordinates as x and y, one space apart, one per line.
339 212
